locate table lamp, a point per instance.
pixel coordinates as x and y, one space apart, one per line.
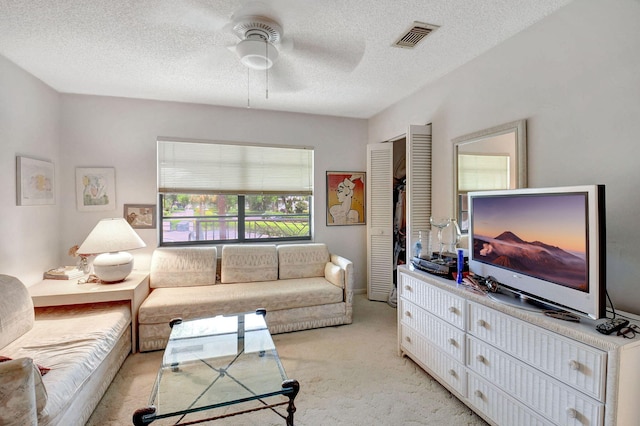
108 240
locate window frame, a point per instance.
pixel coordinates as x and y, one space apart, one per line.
241 220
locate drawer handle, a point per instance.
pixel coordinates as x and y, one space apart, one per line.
481 359
452 373
572 413
408 287
452 341
408 314
574 365
478 393
482 323
453 309
408 339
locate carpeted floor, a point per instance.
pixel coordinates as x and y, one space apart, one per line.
349 375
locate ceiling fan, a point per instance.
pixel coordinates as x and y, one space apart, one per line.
258 36
255 34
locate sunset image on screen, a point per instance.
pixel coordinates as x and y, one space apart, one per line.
543 236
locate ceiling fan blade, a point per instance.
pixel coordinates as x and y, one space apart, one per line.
189 14
342 56
283 77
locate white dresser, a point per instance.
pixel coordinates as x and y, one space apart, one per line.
513 366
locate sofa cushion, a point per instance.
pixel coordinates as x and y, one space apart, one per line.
170 266
302 260
244 263
73 341
16 310
25 367
164 304
19 404
334 274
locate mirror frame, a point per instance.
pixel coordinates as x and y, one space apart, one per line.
519 129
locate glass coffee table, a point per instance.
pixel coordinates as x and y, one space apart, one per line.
218 362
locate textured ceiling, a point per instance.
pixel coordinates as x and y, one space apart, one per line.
336 59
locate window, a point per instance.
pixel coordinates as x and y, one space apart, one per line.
226 192
480 172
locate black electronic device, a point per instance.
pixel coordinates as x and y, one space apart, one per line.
612 325
444 267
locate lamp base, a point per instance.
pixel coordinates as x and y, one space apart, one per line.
114 267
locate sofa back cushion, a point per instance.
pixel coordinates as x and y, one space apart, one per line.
243 263
16 310
302 260
183 266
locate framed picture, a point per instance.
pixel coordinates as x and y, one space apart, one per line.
35 184
140 216
95 189
346 198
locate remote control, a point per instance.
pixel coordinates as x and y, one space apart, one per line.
612 325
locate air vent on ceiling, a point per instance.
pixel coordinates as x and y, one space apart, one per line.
416 33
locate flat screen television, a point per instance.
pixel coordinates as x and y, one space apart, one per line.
544 245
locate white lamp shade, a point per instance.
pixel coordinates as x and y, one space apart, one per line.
111 237
257 54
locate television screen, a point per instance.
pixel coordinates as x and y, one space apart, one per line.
543 244
543 236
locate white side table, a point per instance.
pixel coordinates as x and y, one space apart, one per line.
68 292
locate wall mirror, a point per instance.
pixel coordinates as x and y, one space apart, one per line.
489 159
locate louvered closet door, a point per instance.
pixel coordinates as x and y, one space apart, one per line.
379 220
418 182
380 205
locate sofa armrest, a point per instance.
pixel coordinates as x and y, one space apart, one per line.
18 392
347 266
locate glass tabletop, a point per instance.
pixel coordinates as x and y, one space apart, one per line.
218 361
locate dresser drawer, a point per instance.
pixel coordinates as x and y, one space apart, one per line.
446 337
439 302
578 365
439 363
548 397
499 406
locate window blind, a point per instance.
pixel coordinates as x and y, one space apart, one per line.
227 167
483 172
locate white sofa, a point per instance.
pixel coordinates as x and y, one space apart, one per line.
82 345
301 286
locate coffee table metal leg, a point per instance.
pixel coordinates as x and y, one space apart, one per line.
144 416
291 408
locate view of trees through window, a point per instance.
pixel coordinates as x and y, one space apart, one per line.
209 218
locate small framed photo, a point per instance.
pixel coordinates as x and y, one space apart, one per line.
346 198
140 216
35 184
95 188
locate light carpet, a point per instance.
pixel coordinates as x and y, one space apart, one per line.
349 375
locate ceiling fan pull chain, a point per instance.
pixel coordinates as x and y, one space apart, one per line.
266 68
248 87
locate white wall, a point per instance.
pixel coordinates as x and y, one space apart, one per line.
121 133
575 77
29 114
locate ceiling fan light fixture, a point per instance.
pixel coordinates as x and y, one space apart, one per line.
257 54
